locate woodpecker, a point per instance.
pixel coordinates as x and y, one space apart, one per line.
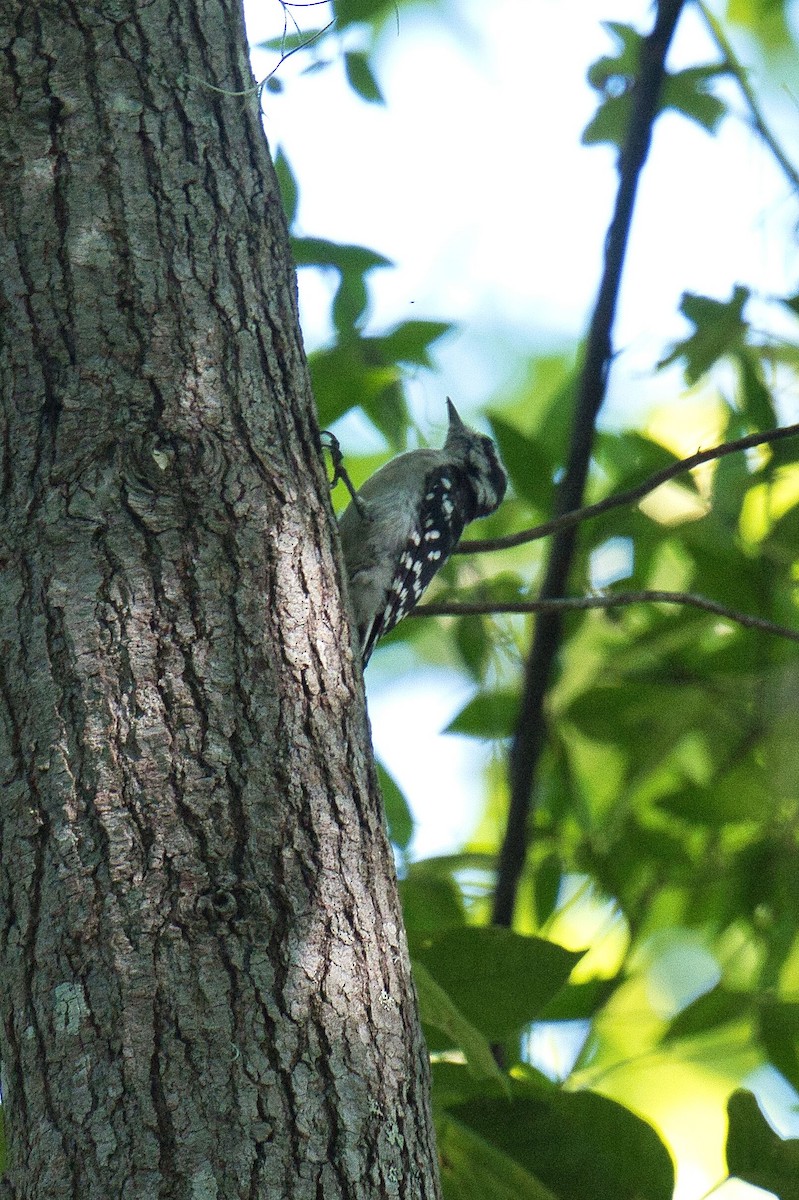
404 523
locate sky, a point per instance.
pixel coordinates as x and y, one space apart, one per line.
473 180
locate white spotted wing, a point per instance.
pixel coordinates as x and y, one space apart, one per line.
429 545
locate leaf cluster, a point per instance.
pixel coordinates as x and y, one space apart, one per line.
613 77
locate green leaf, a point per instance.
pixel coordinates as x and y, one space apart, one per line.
546 405
757 404
687 92
609 123
580 1001
473 640
630 712
765 20
499 980
546 886
782 537
398 814
437 1008
779 1032
505 588
741 794
720 570
431 900
578 1144
350 303
613 76
319 252
342 380
528 468
489 715
719 329
289 193
454 1084
731 482
615 71
717 1007
629 457
756 1154
600 712
410 341
318 64
364 371
360 77
387 409
287 43
474 1169
356 12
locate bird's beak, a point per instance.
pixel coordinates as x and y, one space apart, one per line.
454 420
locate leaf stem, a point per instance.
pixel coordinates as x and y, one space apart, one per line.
736 68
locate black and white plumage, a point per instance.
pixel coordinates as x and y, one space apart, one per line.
408 519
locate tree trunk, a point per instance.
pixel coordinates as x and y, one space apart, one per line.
205 984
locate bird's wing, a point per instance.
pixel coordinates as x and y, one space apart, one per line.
430 543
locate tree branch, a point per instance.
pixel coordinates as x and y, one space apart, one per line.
528 740
609 600
630 496
737 69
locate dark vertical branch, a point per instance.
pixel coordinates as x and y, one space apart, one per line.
528 739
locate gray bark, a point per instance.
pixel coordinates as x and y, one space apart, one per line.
205 986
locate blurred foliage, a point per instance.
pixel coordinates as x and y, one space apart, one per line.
756 1154
613 76
658 917
764 20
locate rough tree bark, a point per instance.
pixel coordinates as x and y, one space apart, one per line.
205 986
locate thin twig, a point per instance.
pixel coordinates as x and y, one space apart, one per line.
258 88
238 94
737 69
286 54
630 496
528 739
608 600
